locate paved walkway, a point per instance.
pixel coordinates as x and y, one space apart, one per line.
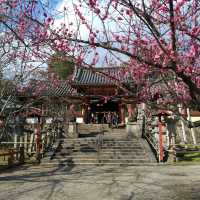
101 183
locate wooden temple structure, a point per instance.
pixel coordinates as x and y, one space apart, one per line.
103 92
90 95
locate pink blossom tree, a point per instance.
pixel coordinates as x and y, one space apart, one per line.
158 41
21 55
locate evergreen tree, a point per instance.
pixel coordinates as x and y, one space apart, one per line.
61 65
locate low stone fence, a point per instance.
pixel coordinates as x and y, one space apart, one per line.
76 130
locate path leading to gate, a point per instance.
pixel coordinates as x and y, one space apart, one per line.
101 183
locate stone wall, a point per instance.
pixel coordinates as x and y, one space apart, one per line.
133 129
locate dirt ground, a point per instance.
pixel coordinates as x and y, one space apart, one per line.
101 183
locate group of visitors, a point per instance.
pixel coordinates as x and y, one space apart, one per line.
110 118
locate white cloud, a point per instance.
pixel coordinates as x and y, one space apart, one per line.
84 32
68 16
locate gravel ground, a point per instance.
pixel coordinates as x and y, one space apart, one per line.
101 183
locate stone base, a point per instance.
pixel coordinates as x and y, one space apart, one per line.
72 130
171 157
133 129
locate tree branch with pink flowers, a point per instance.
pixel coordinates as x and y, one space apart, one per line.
153 36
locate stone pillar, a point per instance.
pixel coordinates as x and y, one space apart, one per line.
26 142
192 130
183 137
167 136
21 141
15 141
171 126
72 130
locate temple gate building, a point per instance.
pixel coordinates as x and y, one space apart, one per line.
91 95
101 93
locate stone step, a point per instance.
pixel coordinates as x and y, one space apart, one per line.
87 151
119 154
137 160
106 149
55 164
102 156
79 140
116 149
122 152
104 146
122 148
121 144
103 142
96 160
122 140
90 150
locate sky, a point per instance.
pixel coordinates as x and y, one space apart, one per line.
57 7
84 32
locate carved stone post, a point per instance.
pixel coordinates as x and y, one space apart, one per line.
15 141
192 130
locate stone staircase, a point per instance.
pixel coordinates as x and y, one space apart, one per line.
112 148
85 130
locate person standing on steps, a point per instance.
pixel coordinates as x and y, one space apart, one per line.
109 118
115 120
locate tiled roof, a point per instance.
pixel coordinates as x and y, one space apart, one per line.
87 76
81 76
119 73
63 89
48 89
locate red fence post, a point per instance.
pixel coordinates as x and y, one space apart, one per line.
38 142
161 153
